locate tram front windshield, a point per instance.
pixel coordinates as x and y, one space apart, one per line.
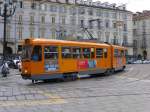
26 52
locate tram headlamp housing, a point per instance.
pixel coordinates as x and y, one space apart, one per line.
25 71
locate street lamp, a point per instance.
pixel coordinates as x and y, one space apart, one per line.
7 9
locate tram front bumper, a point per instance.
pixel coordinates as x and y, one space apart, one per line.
26 76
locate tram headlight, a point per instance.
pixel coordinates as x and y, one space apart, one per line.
25 71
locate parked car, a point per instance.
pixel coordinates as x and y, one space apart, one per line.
130 61
138 62
13 63
146 62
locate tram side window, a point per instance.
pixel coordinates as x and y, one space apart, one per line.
122 53
92 53
126 53
119 53
116 53
51 52
66 52
37 53
76 52
99 53
105 52
86 52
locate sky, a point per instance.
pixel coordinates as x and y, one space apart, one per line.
132 5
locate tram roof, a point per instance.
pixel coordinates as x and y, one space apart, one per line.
62 42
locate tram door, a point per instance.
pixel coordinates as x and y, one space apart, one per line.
100 58
68 64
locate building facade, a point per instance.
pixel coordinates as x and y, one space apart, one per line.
141 33
67 20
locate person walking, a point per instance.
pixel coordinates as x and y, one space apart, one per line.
4 69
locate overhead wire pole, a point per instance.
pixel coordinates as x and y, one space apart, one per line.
86 29
90 34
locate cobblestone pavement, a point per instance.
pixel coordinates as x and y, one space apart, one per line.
127 91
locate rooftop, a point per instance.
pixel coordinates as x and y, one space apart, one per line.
141 15
90 3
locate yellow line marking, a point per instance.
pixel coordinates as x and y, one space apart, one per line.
134 79
52 99
31 102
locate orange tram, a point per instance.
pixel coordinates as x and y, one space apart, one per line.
44 59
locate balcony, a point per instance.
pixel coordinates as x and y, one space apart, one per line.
128 44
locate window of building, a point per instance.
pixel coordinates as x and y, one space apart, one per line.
99 24
63 20
66 52
98 13
51 52
125 16
31 20
134 22
20 19
43 7
86 52
53 20
37 53
99 34
90 11
106 14
114 15
107 24
135 32
90 24
81 10
73 21
99 52
33 5
62 9
43 19
53 34
114 25
76 52
107 34
82 23
73 11
43 33
21 4
53 8
125 27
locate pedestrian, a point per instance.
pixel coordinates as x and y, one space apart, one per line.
4 69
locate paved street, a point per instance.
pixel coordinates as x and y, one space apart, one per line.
128 91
